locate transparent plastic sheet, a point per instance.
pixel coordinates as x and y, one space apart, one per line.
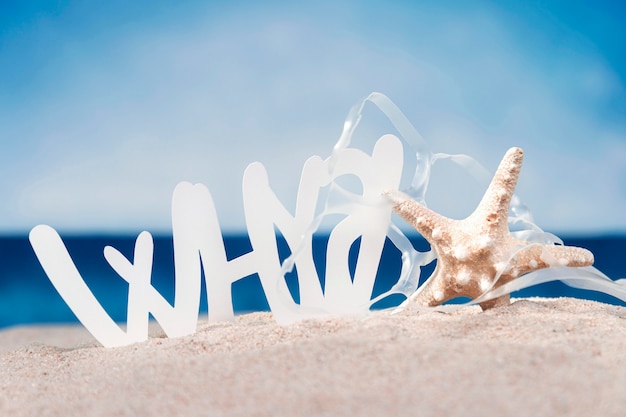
521 223
340 200
586 278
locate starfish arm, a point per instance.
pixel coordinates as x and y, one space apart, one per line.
428 223
533 257
494 206
433 292
568 256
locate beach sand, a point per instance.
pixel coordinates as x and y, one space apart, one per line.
539 357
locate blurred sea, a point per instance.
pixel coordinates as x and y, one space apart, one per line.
28 297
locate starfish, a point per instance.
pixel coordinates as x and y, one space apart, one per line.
478 253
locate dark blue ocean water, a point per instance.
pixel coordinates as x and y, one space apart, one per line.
27 296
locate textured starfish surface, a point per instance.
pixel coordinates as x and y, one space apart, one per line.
479 253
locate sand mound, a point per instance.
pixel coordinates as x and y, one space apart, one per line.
540 357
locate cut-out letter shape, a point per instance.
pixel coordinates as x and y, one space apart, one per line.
367 218
62 272
199 246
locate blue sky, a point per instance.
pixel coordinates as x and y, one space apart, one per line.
105 106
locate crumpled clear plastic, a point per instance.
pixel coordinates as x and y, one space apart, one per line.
521 223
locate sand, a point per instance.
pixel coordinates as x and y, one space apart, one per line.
539 357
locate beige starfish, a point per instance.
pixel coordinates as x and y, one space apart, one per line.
479 253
